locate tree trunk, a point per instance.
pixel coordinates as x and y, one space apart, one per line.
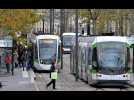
94 26
124 25
121 26
116 28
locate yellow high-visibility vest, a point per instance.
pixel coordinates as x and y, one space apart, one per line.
54 75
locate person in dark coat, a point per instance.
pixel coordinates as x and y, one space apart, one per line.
53 81
7 61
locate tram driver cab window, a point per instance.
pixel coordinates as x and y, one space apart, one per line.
36 52
94 58
128 59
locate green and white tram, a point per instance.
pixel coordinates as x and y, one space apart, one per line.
46 48
110 60
104 59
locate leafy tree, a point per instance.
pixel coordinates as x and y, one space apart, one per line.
119 16
14 20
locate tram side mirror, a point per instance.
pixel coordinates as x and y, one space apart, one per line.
94 65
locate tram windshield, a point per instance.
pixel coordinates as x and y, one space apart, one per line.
67 40
47 50
112 55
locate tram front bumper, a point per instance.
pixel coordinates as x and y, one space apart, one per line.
42 68
121 77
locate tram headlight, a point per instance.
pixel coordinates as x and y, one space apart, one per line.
125 75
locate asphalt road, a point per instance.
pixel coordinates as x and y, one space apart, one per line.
66 81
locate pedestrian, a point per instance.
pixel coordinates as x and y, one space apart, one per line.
23 60
20 56
7 61
26 59
53 79
29 60
15 59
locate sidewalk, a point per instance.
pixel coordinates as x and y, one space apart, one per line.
20 81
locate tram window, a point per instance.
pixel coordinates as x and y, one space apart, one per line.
79 57
36 53
59 52
89 56
83 57
128 56
94 57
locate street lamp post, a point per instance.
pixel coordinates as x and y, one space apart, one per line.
76 30
51 21
61 31
43 25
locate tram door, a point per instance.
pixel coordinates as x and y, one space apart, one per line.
131 40
132 58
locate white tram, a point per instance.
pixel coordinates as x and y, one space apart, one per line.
46 48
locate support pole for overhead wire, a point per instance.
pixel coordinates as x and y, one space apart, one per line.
51 17
61 31
53 20
43 25
76 42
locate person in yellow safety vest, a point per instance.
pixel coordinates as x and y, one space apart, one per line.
53 76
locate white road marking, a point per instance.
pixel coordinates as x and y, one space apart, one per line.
32 76
25 74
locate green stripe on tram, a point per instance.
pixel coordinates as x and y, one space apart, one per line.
36 61
130 70
92 71
93 45
128 45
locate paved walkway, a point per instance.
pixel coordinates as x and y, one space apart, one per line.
20 81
